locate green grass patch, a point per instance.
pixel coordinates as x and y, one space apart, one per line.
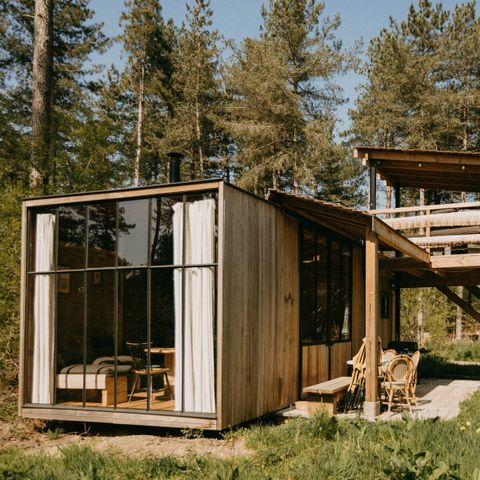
434 366
465 351
315 448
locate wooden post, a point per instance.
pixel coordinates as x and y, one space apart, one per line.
373 185
398 204
371 407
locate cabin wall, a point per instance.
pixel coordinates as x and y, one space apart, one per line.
259 331
387 310
358 298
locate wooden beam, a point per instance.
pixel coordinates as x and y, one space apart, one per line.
469 260
417 208
452 279
453 219
459 158
398 242
399 264
446 240
467 308
372 314
124 193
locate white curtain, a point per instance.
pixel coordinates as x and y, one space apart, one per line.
194 350
43 312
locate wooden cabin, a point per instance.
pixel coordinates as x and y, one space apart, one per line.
200 305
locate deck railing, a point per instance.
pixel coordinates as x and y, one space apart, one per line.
434 226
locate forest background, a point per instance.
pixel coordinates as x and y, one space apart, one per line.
261 113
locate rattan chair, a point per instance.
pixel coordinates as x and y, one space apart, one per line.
398 380
413 381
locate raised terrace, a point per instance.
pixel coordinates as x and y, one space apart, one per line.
449 232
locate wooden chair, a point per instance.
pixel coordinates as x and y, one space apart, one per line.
398 379
139 353
413 381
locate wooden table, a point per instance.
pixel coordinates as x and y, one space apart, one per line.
169 353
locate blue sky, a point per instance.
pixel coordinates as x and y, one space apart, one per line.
237 19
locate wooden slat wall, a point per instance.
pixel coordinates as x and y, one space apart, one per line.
339 354
314 365
358 299
260 309
387 325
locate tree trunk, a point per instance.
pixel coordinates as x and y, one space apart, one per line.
388 199
42 64
459 317
420 320
138 153
198 131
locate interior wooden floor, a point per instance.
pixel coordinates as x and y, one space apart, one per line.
138 402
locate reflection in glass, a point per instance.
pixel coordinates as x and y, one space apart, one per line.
100 344
162 230
71 237
101 235
133 232
69 351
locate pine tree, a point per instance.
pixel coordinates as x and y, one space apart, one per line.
195 127
74 38
146 83
283 113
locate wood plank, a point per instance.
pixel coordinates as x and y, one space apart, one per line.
469 260
123 194
467 308
455 219
220 296
430 156
107 416
446 240
314 364
358 299
398 242
417 208
330 387
23 313
371 316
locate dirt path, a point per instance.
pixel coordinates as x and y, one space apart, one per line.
129 441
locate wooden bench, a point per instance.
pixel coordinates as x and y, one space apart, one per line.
325 396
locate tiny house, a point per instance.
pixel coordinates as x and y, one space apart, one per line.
191 305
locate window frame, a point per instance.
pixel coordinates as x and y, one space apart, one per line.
30 274
344 243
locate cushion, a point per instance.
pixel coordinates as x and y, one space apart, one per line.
104 369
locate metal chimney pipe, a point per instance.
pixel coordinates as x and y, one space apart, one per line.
175 159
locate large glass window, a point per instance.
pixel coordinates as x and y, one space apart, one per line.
121 308
326 289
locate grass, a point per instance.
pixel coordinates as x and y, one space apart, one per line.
434 366
466 351
314 448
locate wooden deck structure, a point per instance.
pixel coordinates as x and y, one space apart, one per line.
448 233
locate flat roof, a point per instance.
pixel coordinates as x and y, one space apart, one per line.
429 169
129 192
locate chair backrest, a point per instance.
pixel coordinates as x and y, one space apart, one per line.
400 369
416 359
139 353
388 354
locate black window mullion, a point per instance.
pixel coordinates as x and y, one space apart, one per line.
85 306
149 316
115 307
329 289
55 308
